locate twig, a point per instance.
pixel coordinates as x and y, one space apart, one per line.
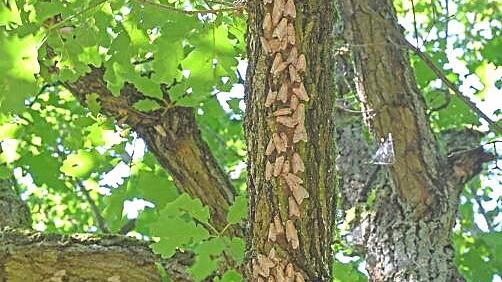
192 12
440 74
481 208
414 21
100 220
128 226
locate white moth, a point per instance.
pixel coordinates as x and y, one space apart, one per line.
292 236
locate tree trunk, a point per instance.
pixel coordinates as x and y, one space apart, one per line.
406 234
282 39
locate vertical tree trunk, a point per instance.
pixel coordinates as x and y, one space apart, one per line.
406 235
290 140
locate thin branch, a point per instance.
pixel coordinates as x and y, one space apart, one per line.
100 220
192 12
414 21
441 75
481 209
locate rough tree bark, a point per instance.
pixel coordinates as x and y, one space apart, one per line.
273 140
406 235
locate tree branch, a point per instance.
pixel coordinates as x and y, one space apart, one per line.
34 256
173 136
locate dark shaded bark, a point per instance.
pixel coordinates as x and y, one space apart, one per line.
270 198
173 136
13 211
406 234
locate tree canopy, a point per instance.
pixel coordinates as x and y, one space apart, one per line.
81 166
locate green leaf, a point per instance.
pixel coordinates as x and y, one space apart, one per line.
93 103
79 164
146 105
18 66
238 211
205 262
231 276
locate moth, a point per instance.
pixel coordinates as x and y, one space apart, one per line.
292 237
269 170
278 225
299 277
279 274
264 265
385 153
297 163
265 45
291 34
281 31
278 65
279 162
293 55
280 146
293 180
299 193
293 74
301 63
272 232
300 133
286 167
267 1
290 271
294 210
290 9
283 92
267 24
287 121
270 147
284 139
301 92
272 255
283 112
299 114
293 104
270 98
275 45
277 11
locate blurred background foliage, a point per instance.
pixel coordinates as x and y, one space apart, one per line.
81 172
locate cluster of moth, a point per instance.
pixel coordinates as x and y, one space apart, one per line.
286 100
